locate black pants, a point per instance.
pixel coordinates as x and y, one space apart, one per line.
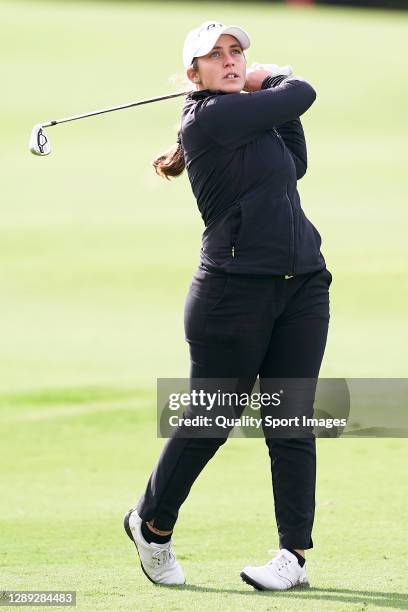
244 326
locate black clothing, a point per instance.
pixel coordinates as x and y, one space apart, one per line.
241 325
244 153
301 560
243 317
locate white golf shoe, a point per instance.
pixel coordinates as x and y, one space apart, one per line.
157 560
281 573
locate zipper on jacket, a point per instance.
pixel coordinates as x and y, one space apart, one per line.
233 251
292 238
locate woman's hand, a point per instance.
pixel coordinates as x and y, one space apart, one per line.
256 73
254 79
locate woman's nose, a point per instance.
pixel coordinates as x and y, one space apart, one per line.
229 60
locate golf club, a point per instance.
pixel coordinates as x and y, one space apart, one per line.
39 143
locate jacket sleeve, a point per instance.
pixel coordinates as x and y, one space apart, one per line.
293 136
233 119
291 133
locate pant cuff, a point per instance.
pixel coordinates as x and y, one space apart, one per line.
299 542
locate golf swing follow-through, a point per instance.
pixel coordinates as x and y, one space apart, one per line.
258 304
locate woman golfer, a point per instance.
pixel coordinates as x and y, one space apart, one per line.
258 304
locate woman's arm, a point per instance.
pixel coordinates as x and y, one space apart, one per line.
291 133
233 119
293 136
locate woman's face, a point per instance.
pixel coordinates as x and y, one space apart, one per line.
225 57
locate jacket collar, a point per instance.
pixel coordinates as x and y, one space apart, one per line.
204 93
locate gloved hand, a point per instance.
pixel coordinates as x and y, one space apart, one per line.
273 69
256 73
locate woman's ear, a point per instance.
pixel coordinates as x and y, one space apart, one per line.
193 75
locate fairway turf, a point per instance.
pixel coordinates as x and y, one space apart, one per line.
97 257
72 467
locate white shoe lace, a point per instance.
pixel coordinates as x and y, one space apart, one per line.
279 561
162 557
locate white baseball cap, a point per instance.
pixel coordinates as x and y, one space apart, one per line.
202 39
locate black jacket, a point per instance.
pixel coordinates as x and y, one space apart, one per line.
244 153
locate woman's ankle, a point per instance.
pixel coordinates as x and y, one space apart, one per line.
155 530
300 552
151 534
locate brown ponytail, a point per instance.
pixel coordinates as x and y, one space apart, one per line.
171 162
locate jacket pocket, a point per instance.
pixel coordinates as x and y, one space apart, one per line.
236 225
264 234
219 237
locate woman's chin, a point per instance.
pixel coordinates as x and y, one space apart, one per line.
231 85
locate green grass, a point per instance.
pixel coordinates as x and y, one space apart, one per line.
97 254
73 462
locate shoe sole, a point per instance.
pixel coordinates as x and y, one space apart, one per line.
129 533
260 587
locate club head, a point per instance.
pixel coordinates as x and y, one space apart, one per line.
39 143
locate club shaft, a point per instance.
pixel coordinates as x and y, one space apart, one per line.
114 108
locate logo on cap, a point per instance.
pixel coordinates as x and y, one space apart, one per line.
210 26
